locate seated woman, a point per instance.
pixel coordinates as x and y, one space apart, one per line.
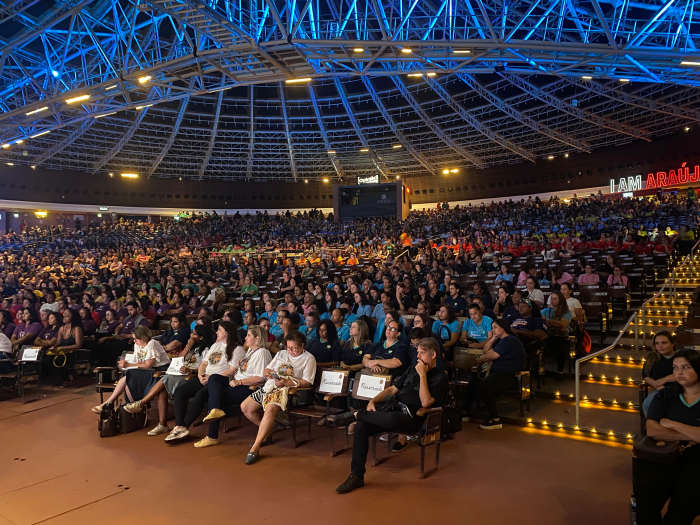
292 367
49 335
618 278
356 347
89 326
148 355
558 317
199 342
390 356
326 348
674 415
506 354
310 327
69 339
223 391
218 360
28 327
658 368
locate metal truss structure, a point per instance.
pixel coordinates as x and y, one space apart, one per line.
312 89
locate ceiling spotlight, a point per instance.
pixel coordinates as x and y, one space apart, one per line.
331 152
146 106
40 134
416 75
10 164
100 116
54 72
145 79
398 177
566 155
624 79
445 172
5 146
325 180
454 170
407 50
396 146
110 87
364 150
461 51
130 175
432 74
359 50
33 167
306 181
180 178
39 110
111 174
690 63
79 98
587 77
550 157
19 141
687 128
297 80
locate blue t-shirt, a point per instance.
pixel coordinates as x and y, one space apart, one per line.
506 277
343 333
458 305
309 334
478 332
548 313
512 354
272 318
445 331
378 312
364 310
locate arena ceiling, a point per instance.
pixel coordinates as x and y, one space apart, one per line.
312 89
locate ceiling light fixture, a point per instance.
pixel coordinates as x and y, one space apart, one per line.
364 150
146 106
325 180
219 89
54 73
454 170
689 63
331 151
550 157
5 146
396 146
130 175
297 80
624 79
461 51
79 98
587 77
145 79
359 50
566 155
415 75
19 141
40 134
39 110
10 164
100 116
432 74
407 50
110 87
445 172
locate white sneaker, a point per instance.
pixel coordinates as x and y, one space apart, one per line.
177 434
134 408
160 429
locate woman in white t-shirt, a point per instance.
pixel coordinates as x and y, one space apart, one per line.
224 391
534 293
148 355
218 360
291 368
199 342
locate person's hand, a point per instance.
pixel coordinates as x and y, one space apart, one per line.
204 379
371 407
234 382
660 386
421 368
376 368
183 369
343 365
122 363
279 383
668 423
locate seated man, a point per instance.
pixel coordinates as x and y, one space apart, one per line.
421 387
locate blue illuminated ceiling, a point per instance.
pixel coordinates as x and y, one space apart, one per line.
176 88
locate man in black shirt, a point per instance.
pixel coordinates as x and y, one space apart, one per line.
421 387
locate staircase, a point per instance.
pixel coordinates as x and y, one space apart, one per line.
609 379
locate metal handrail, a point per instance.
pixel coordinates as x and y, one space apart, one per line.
670 282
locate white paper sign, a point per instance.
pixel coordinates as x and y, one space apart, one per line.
331 382
30 354
131 358
175 366
370 386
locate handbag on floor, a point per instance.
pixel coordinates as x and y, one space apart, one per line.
108 423
129 422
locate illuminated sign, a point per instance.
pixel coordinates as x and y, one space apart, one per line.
626 184
673 178
372 179
104 208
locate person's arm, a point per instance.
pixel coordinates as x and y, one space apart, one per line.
561 324
659 383
19 341
482 344
661 433
390 391
688 432
173 346
78 335
454 338
426 399
532 334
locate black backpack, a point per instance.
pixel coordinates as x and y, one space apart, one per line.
451 420
108 423
129 422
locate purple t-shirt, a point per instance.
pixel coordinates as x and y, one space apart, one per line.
123 312
9 330
22 330
101 309
194 311
160 310
130 323
89 327
48 333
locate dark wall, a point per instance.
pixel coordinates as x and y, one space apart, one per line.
580 170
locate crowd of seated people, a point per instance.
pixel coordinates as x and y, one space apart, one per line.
363 296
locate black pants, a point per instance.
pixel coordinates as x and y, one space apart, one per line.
222 394
109 352
560 347
655 483
185 415
495 384
373 423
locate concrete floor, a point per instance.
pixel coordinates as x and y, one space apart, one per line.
55 469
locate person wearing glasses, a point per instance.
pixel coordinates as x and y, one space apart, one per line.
389 356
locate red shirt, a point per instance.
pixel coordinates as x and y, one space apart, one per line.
640 249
